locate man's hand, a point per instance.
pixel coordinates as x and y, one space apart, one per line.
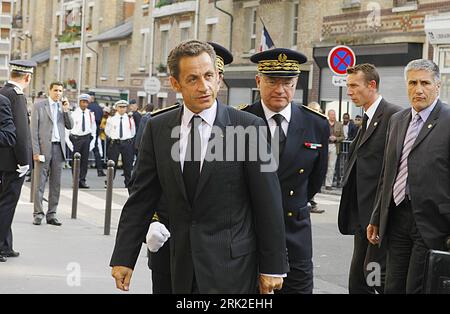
267 284
372 234
156 237
36 157
22 170
122 275
65 105
333 138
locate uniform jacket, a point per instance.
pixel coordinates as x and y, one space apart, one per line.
428 175
234 228
20 154
362 171
42 128
301 172
7 128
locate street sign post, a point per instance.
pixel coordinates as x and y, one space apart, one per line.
340 59
152 85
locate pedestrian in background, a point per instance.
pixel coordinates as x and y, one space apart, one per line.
49 119
335 139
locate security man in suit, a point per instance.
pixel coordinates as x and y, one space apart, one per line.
361 175
412 210
121 129
16 160
303 153
83 135
7 128
159 261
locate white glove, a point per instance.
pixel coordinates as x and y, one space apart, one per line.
156 237
22 170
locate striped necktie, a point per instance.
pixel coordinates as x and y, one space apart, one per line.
399 191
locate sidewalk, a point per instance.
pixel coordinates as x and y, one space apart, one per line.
52 257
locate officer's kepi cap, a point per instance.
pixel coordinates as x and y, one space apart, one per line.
279 62
23 66
224 56
121 103
85 97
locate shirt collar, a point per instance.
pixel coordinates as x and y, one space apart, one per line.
51 101
372 109
16 84
208 115
424 114
286 112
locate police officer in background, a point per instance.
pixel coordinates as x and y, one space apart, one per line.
303 153
121 129
159 261
7 128
83 135
15 161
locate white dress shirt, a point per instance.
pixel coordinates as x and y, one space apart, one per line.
205 129
286 113
55 107
372 109
112 129
16 85
90 126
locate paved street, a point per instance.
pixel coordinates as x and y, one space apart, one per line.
52 257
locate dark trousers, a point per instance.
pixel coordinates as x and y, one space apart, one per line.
10 188
96 151
7 245
81 145
126 149
406 252
365 253
299 280
159 263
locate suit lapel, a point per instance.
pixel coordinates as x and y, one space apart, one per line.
222 121
403 127
373 123
174 141
49 111
428 125
294 140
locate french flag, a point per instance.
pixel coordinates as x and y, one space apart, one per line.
266 41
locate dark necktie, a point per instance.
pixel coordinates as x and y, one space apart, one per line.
121 128
364 126
191 168
280 132
83 124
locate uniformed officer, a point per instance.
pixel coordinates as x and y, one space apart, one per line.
7 128
16 160
121 129
303 152
159 261
83 135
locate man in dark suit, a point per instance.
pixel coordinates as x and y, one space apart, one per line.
303 153
7 128
412 211
362 172
16 160
226 228
159 257
350 129
98 112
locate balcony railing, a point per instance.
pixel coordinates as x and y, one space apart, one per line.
172 7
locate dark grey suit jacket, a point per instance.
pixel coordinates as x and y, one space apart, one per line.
428 175
362 171
233 230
